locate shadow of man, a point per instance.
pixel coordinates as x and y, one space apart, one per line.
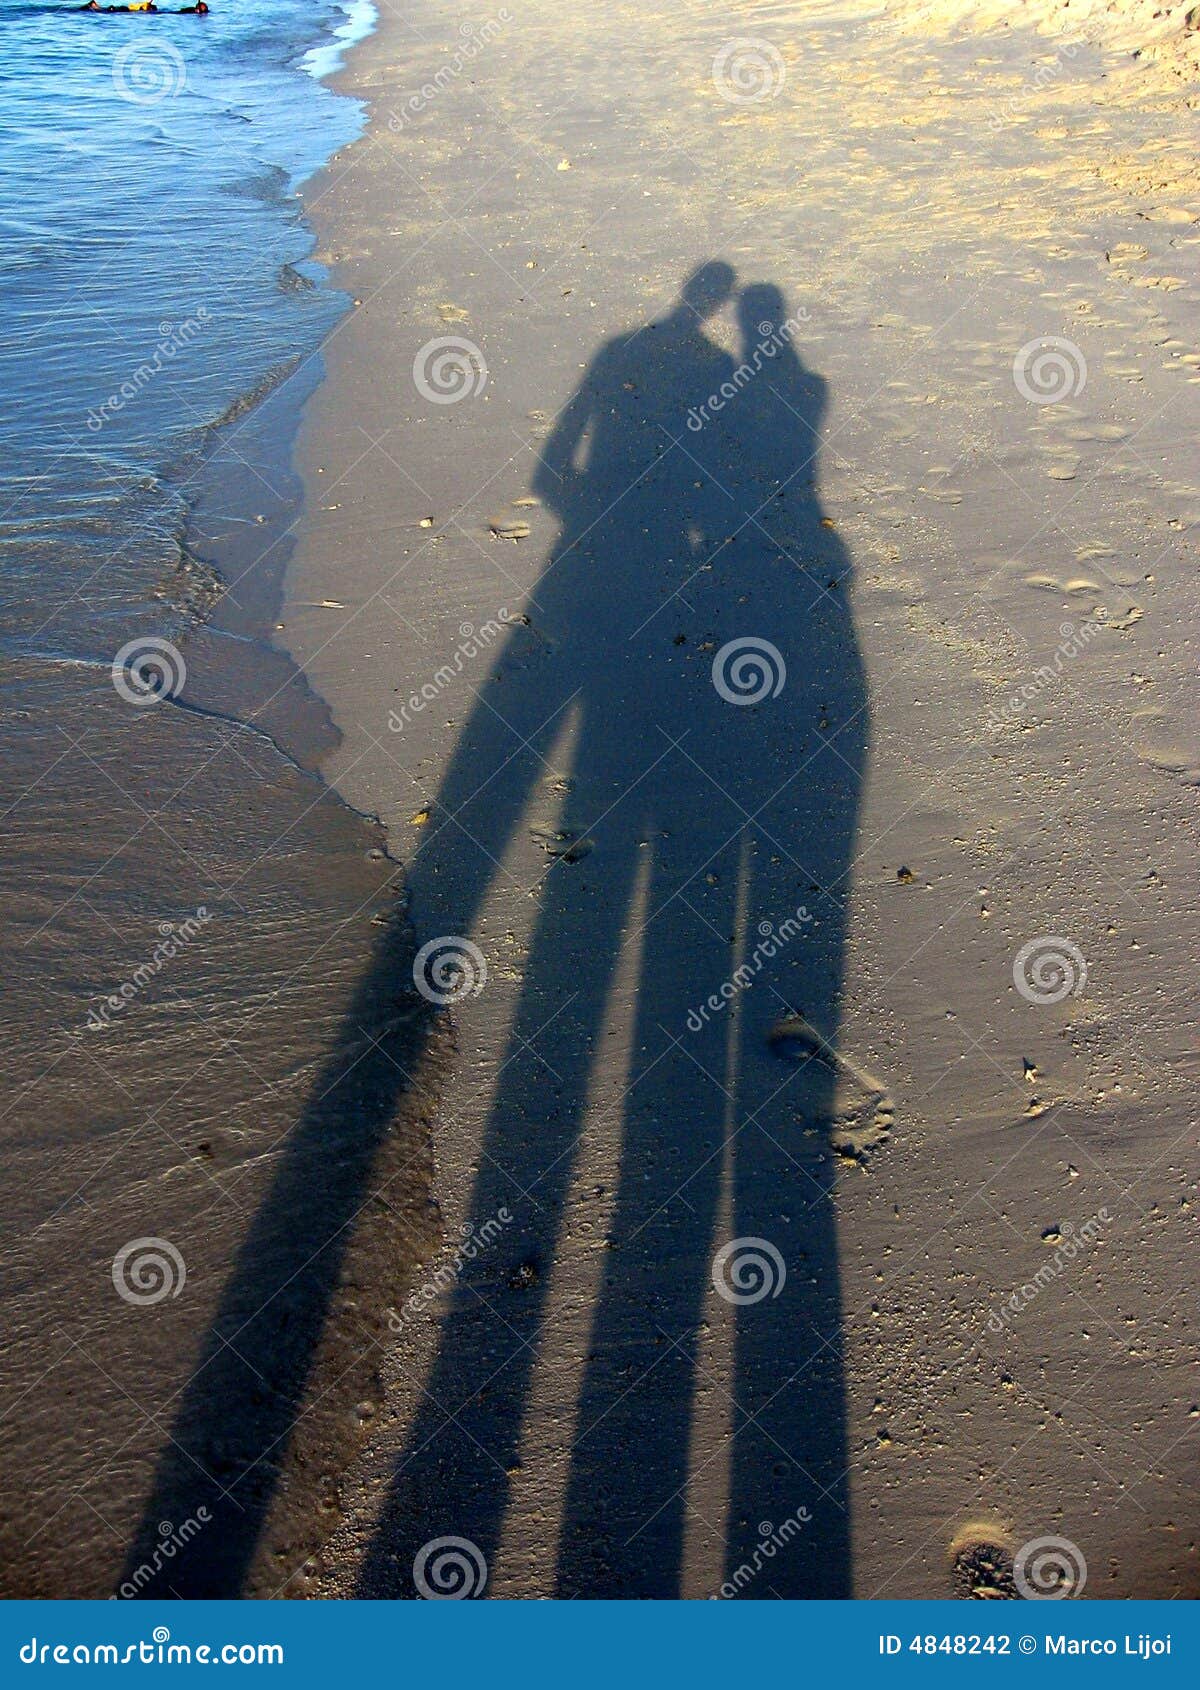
692 691
691 697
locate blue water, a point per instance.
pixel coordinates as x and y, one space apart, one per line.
154 276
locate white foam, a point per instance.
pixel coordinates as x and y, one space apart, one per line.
361 18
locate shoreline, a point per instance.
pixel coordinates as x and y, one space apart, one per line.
307 1245
249 557
217 902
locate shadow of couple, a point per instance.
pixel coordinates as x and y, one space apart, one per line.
681 714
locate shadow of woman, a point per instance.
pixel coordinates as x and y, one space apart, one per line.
695 678
694 672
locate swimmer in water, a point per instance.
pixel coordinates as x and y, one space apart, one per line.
200 9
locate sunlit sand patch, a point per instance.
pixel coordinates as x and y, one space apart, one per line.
539 1480
1128 618
1064 469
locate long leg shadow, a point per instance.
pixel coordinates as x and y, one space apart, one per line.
230 1433
695 634
229 1439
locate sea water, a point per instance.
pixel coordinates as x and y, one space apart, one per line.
154 276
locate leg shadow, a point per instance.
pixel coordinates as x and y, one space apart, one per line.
678 543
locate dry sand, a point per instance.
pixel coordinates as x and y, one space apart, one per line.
983 589
1166 36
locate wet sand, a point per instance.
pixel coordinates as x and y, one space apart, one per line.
958 1107
187 910
186 906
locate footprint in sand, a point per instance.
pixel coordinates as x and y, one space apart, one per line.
1166 745
1127 619
567 847
981 1564
1114 569
863 1111
1052 584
